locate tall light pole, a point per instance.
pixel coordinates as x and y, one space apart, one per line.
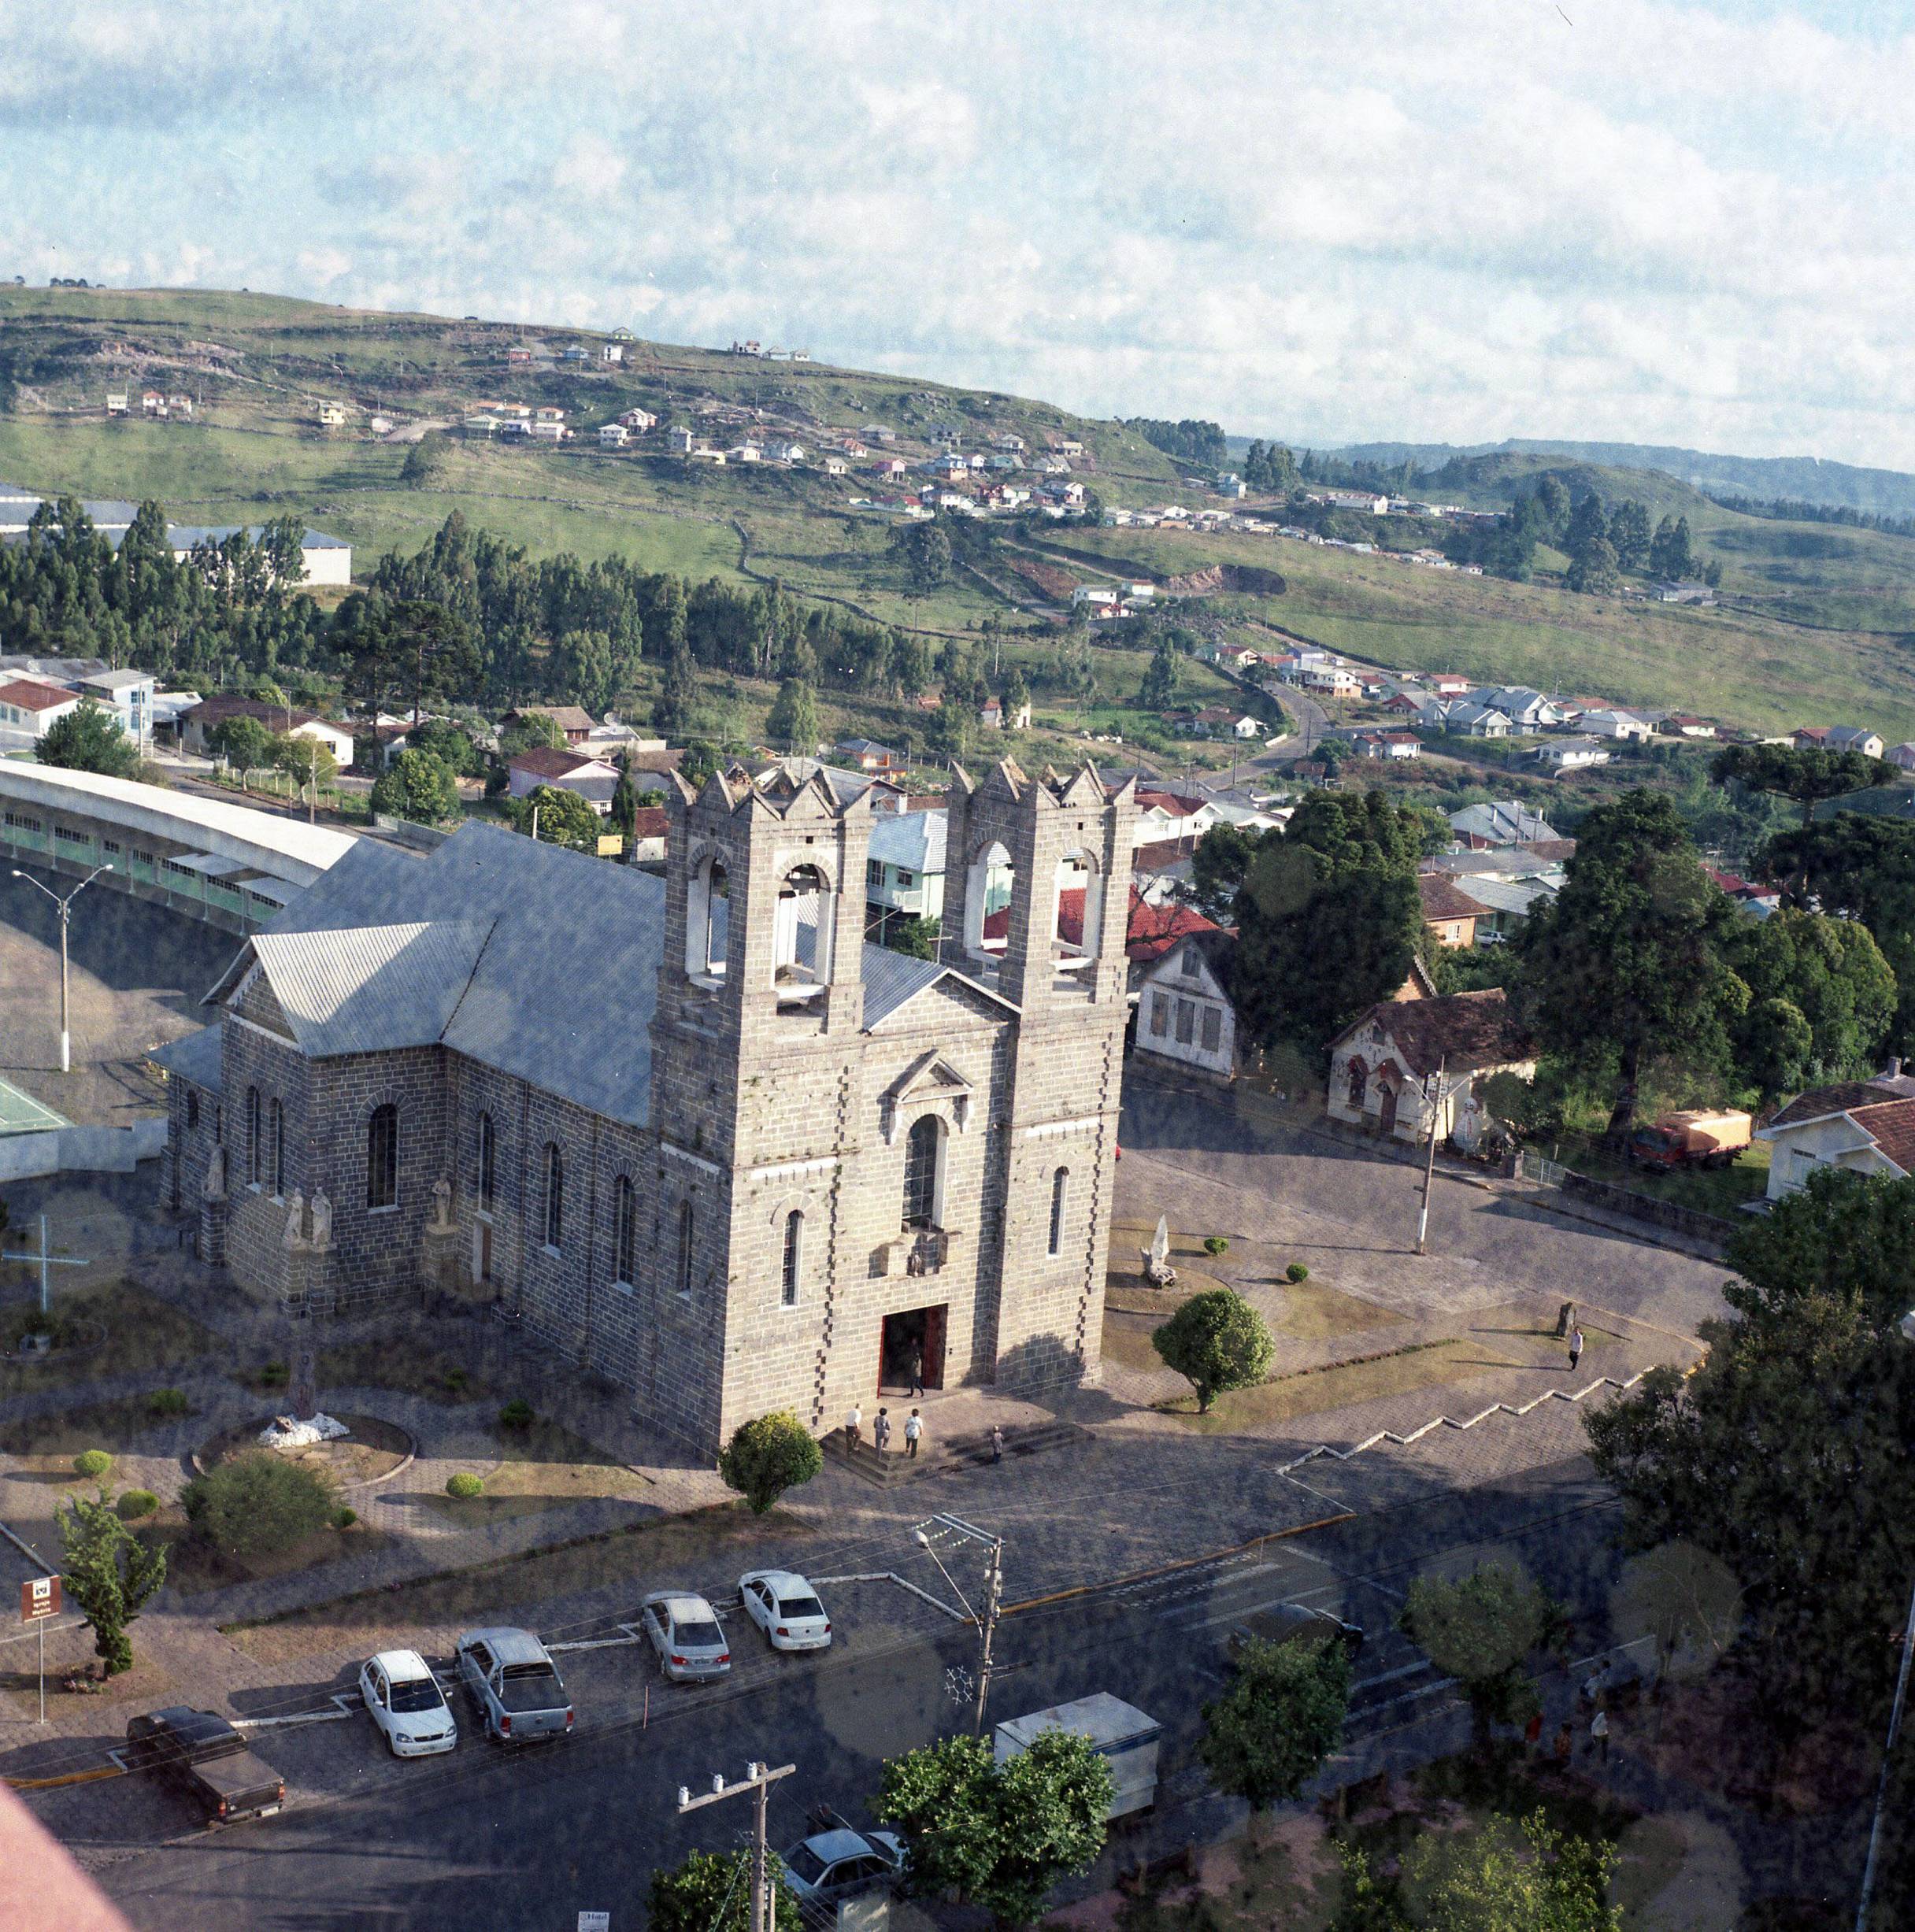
759 1779
928 1534
1429 1171
65 905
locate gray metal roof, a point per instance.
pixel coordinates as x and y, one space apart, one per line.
914 840
1506 895
199 1057
371 987
891 979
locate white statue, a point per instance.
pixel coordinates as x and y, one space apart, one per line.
1157 1269
322 1220
442 1206
213 1187
294 1237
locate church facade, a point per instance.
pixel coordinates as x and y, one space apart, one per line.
694 1132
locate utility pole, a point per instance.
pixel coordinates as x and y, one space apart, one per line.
1429 1171
758 1779
928 1535
65 905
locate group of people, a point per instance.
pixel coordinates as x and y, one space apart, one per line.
881 1429
1594 1706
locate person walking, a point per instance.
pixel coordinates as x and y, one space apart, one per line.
881 1429
915 1368
854 1425
1599 1735
997 1443
913 1428
1576 1349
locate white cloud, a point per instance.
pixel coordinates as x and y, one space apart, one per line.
1667 223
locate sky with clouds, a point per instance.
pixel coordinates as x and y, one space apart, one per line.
1458 219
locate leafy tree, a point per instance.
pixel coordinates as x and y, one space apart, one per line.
917 938
109 1573
1551 507
711 1892
1629 532
1480 1630
309 763
1217 1341
1587 524
427 462
531 730
1858 867
925 550
1158 691
1533 1108
1631 958
245 743
1218 867
259 1503
1686 1598
1671 553
88 740
1328 915
948 733
1830 975
416 786
1266 1736
793 721
1000 1836
1593 570
1193 440
563 818
1775 1048
1784 1454
1017 694
1808 776
673 709
768 1456
624 813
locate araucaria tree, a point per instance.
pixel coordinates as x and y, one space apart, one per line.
1631 959
998 1836
1217 1341
1809 776
1266 1736
768 1456
109 1573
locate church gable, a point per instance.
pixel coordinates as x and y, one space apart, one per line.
253 1000
948 1000
931 1080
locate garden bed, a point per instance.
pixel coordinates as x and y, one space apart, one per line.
373 1451
542 1466
140 1331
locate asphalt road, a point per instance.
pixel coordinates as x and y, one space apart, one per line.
483 1841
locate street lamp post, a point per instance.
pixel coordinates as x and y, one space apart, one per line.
65 902
928 1534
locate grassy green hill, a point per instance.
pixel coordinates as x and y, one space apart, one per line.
1817 621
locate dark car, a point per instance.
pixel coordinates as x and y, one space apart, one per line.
201 1753
1295 1623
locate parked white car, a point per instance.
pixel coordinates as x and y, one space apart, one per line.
685 1631
786 1608
407 1705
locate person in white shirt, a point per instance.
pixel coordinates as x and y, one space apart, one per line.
913 1428
854 1425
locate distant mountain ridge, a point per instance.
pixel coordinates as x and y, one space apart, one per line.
1802 479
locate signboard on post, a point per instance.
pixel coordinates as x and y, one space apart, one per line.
40 1596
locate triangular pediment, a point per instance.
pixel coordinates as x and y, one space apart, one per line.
950 995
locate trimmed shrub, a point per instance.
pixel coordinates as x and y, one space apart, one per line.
1215 1244
276 1375
465 1484
259 1503
136 1503
1296 1272
164 1402
768 1456
517 1414
457 1379
344 1517
92 1463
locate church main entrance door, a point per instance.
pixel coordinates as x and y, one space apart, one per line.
916 1333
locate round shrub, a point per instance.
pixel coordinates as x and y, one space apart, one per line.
465 1484
259 1503
276 1375
1296 1272
1215 1244
136 1503
164 1402
92 1463
457 1380
343 1518
517 1414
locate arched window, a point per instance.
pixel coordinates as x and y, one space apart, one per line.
1060 1196
802 933
1077 915
255 1148
381 1158
625 1227
707 920
793 1255
989 888
684 1247
488 1158
192 1109
276 1149
923 1149
554 1196
1359 1082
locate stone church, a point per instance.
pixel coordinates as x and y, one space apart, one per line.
692 1130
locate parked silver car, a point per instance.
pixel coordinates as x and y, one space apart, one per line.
685 1631
516 1685
832 1865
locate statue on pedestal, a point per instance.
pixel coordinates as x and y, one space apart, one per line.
213 1187
1157 1269
442 1206
294 1239
322 1221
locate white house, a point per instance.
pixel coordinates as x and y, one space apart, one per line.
115 402
30 704
1098 596
613 436
1332 680
1247 727
1867 1126
785 453
128 695
1854 737
680 441
1384 1067
544 429
1184 1015
331 415
637 421
1387 744
1475 721
745 452
611 352
1571 754
836 466
1623 726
